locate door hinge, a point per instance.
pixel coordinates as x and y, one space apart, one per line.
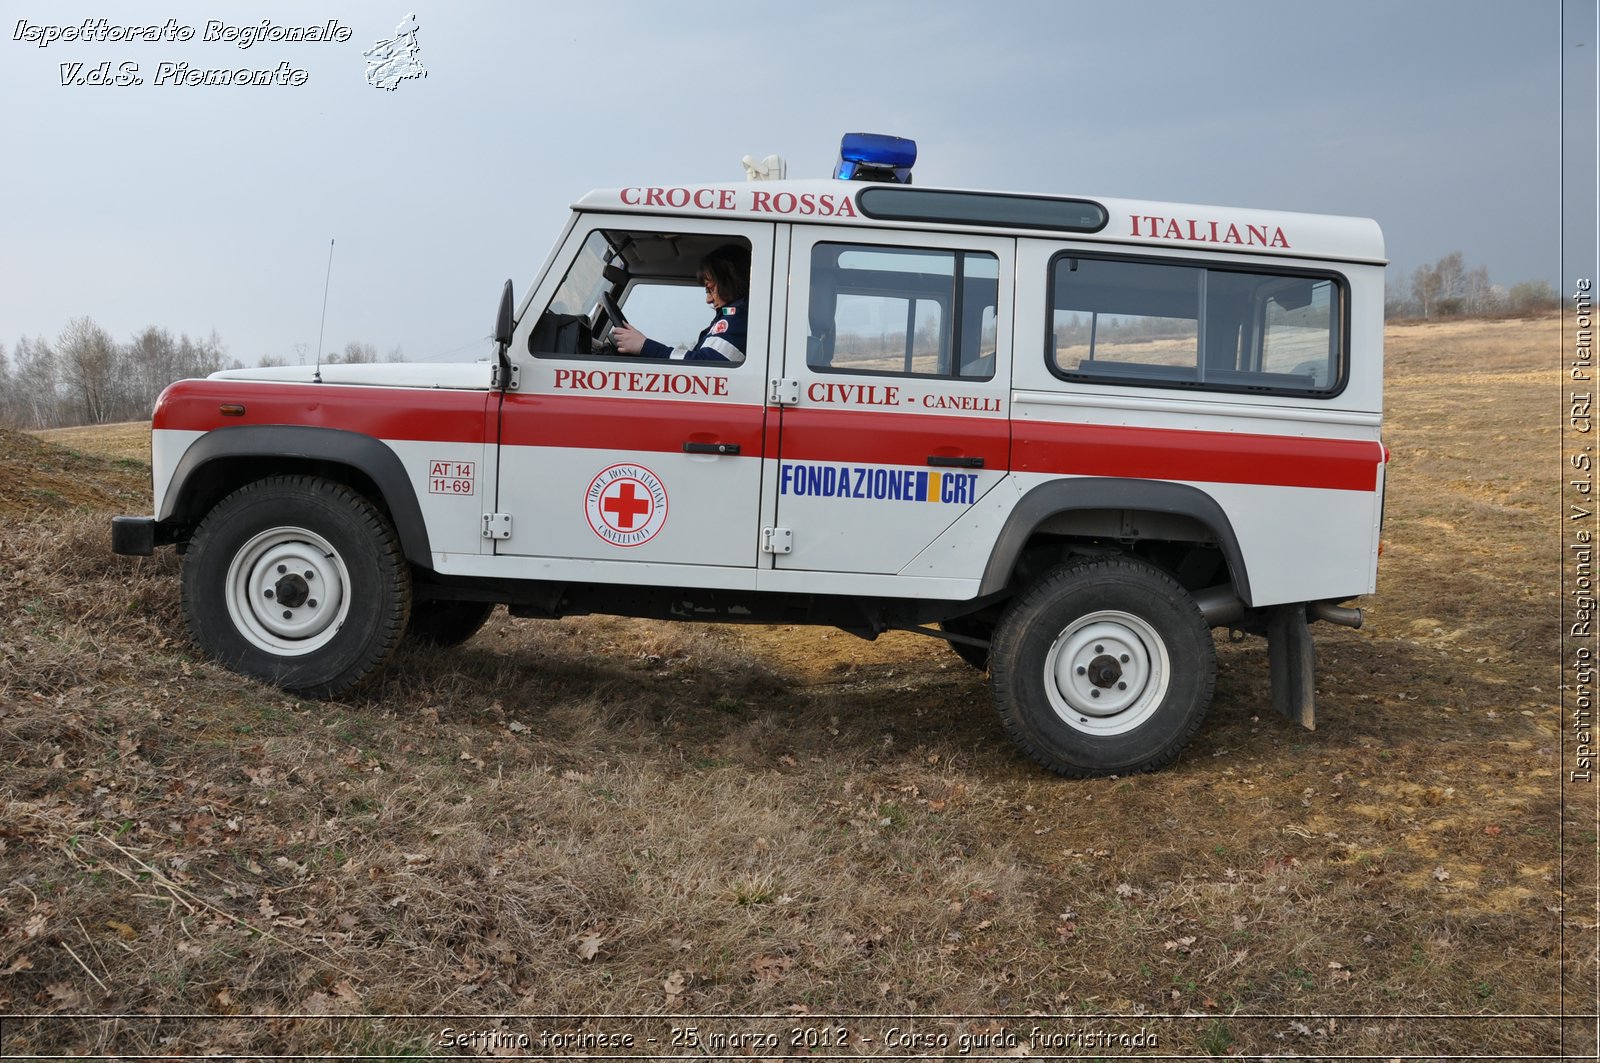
508 377
782 392
777 541
497 525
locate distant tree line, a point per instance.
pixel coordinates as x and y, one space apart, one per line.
1447 288
86 377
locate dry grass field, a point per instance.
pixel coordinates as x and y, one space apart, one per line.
604 817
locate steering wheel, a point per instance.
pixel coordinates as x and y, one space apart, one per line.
613 311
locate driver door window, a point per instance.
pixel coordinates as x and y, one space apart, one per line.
650 277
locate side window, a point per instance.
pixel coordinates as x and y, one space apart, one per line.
1127 317
651 277
1130 321
902 311
1296 331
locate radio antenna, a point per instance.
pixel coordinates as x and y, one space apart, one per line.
316 377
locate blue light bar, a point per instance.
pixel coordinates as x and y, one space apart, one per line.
876 157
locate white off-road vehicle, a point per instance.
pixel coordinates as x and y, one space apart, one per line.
1069 435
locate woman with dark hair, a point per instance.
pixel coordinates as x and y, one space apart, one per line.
725 273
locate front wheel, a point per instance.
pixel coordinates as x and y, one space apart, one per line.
297 581
1103 667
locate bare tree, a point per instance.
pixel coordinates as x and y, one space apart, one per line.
1397 300
1450 274
153 364
207 356
1477 293
10 409
357 352
1425 289
89 364
38 392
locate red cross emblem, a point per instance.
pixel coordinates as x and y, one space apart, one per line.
623 504
627 504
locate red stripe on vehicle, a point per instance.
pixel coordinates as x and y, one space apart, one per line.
430 414
1196 457
808 434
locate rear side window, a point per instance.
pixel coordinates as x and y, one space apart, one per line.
902 311
1184 325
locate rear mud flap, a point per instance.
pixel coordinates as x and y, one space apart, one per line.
1292 662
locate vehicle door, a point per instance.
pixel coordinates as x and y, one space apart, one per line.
607 457
897 354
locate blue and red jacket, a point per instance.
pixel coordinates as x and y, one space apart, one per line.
722 341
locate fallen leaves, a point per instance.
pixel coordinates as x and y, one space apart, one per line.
588 944
343 1000
771 968
63 995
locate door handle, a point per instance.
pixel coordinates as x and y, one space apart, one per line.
941 462
711 448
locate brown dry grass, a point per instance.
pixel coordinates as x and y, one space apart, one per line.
609 816
129 439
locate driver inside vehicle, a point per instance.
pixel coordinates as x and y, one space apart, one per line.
725 272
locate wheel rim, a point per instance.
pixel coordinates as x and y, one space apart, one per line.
287 591
1107 673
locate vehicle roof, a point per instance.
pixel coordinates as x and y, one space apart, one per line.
1147 223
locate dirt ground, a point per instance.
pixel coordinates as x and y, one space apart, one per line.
577 832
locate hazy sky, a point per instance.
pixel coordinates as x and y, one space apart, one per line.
201 208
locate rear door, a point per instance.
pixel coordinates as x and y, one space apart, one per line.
899 347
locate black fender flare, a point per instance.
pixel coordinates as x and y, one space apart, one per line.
1106 492
323 446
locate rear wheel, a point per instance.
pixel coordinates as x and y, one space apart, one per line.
297 581
1103 667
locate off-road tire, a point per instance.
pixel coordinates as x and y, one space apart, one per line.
445 623
251 604
1103 667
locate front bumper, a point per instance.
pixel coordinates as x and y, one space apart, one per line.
139 536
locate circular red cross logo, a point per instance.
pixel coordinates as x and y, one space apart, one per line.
627 504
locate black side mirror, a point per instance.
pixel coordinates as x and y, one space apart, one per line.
504 321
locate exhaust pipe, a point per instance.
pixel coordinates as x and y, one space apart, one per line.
1335 614
1219 605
